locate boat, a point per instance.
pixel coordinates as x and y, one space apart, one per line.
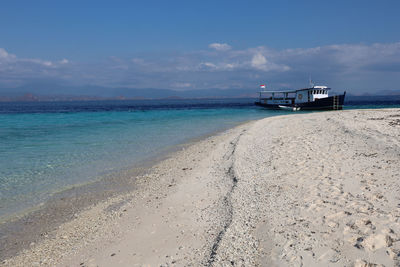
312 98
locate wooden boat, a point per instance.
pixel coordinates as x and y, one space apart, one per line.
313 98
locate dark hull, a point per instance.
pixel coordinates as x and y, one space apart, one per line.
328 103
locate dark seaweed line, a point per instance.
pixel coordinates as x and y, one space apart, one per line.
227 203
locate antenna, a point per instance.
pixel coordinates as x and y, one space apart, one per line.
311 82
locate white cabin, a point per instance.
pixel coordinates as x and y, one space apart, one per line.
291 97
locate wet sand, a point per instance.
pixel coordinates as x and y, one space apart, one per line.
319 189
19 231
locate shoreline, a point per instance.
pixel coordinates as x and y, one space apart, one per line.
312 189
33 225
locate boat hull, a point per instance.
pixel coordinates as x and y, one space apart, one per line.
328 103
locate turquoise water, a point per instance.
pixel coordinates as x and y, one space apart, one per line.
44 152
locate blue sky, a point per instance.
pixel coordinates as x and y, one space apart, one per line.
201 44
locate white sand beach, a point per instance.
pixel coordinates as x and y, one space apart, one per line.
316 189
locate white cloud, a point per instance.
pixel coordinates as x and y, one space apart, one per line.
46 63
259 61
10 58
5 55
208 65
137 60
220 47
222 66
229 66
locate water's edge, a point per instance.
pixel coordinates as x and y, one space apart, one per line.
19 231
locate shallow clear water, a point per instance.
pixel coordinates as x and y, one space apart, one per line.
45 147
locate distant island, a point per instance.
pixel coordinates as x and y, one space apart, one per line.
94 93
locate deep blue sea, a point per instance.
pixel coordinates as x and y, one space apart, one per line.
46 147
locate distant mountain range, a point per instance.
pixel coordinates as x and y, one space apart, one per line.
44 93
51 92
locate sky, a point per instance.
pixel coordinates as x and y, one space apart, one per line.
185 45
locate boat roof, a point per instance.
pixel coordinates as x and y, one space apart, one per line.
294 91
280 91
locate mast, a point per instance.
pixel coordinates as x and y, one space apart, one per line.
311 82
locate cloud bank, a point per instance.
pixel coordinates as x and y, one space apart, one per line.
358 68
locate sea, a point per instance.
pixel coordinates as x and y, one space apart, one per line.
48 147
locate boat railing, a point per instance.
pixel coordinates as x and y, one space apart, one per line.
277 95
278 98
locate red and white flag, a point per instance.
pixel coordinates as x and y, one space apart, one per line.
262 86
